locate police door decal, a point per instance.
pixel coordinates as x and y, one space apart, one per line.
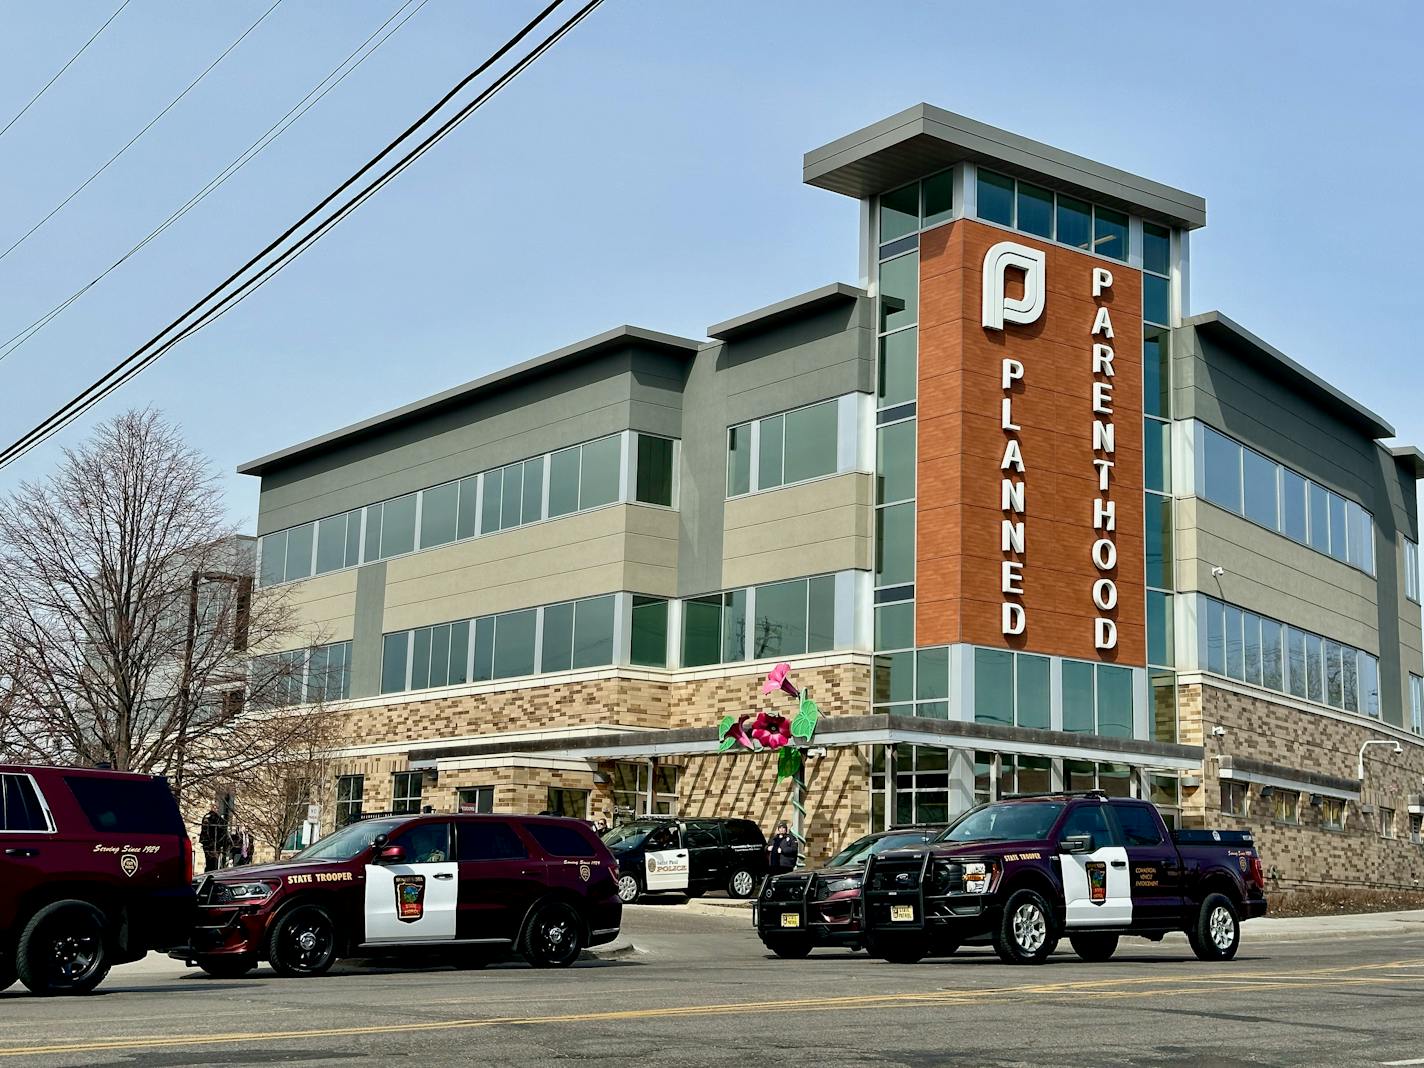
667 869
411 902
1097 888
410 897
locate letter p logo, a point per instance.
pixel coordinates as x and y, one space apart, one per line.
999 309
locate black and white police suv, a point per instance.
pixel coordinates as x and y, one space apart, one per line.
687 856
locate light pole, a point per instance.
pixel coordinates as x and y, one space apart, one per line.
185 679
1360 764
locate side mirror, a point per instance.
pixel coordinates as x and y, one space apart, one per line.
1076 843
380 840
390 854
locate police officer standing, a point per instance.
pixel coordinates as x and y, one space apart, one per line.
213 838
781 850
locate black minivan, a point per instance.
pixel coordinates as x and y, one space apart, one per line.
687 856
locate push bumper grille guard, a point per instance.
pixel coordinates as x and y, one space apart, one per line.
877 901
770 909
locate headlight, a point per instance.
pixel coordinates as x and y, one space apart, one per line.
838 886
976 878
246 891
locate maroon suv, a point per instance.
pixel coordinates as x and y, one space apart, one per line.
473 887
96 869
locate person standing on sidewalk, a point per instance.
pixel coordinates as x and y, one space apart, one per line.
781 850
213 839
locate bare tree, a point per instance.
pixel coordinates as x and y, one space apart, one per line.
274 797
127 613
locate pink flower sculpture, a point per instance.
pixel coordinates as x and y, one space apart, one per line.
776 679
771 731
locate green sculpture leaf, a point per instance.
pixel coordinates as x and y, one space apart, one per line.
788 763
727 743
725 726
803 726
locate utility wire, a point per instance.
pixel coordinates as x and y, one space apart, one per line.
45 88
151 123
161 343
312 98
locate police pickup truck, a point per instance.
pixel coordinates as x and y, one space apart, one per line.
1021 873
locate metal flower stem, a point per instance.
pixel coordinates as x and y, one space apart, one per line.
798 800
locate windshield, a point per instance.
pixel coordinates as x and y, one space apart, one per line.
630 834
1009 822
862 849
349 842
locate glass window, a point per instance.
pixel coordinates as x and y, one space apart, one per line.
1259 479
995 199
1411 570
811 442
821 614
1416 703
372 550
1337 527
465 524
739 460
1156 248
593 632
493 509
1075 222
899 292
895 462
649 639
420 658
558 648
1035 210
299 551
1156 300
1272 664
895 545
769 466
533 509
939 197
1157 455
1215 632
459 652
1314 667
350 792
474 799
1350 678
898 367
484 649
1233 798
1361 535
1319 501
398 526
1235 653
1079 700
654 470
894 678
900 212
274 558
994 686
1110 233
1160 648
1140 825
1334 675
1369 685
1114 701
598 479
438 508
895 626
1156 372
514 644
1032 691
331 542
1163 695
487 839
1295 657
1159 540
1223 470
563 482
393 662
1293 505
734 625
932 674
1251 627
780 619
702 631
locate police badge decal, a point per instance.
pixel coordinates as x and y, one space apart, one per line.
584 873
128 864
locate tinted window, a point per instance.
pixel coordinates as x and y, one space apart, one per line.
811 442
563 841
702 836
741 832
427 843
349 841
654 470
1139 825
995 198
1005 822
20 807
663 837
1090 818
598 483
126 806
489 841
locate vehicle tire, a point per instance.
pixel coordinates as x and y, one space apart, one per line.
945 948
741 883
628 889
788 948
302 942
1025 933
898 949
553 936
229 967
1216 934
63 950
1093 946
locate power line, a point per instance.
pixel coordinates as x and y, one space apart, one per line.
161 343
150 125
300 108
45 88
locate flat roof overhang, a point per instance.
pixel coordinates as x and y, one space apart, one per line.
785 311
1274 362
924 139
1282 777
1410 458
841 731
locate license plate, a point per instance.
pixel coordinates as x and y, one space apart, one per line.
790 919
902 913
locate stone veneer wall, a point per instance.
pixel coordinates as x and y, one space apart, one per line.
1306 854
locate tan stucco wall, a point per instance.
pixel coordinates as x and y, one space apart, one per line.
810 529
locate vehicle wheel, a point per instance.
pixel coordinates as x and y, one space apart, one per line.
553 937
1025 932
788 948
227 967
1093 946
628 889
943 949
62 950
742 883
1216 935
303 942
898 949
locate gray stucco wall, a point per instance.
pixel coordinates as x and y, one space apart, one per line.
1270 573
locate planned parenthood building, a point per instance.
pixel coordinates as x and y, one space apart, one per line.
1019 516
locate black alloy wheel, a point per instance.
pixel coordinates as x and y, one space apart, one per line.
553 937
1216 934
1093 946
303 942
62 949
228 967
1026 933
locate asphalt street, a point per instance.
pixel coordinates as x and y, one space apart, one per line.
699 989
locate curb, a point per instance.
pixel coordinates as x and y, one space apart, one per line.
618 948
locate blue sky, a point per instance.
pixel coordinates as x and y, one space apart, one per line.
647 170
